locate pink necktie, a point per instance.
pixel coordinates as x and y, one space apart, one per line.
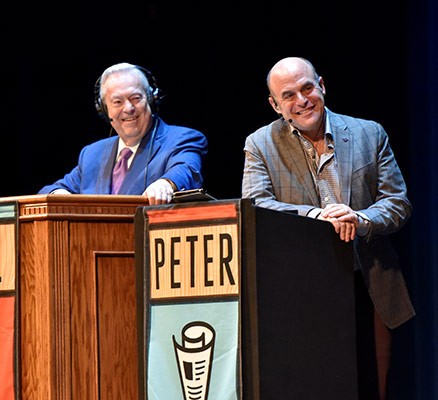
120 169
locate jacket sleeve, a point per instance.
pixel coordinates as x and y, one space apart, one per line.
181 158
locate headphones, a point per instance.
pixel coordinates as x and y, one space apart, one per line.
154 95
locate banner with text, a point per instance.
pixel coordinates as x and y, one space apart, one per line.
193 299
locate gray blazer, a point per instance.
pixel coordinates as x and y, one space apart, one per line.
276 176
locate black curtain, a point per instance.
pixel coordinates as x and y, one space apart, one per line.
422 88
378 60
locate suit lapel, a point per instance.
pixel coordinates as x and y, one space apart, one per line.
344 155
103 184
296 159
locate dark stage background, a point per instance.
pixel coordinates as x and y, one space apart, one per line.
378 60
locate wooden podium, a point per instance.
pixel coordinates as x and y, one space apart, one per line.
67 276
240 302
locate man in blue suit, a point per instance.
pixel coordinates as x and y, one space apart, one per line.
164 158
342 170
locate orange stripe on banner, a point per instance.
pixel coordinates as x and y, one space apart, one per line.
7 348
192 214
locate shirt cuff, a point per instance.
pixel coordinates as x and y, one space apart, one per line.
314 213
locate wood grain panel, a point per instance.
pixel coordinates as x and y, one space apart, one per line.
7 257
86 240
117 326
35 289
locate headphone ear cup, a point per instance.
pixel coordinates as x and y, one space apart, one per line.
154 94
98 103
100 110
151 98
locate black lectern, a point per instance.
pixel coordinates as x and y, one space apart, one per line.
240 302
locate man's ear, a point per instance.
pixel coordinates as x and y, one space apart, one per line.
274 104
321 85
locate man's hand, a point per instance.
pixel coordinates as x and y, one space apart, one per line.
159 192
343 219
60 191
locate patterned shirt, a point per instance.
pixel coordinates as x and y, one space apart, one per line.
323 168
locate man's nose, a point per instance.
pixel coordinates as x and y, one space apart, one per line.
128 106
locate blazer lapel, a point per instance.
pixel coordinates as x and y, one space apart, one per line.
103 184
344 155
296 160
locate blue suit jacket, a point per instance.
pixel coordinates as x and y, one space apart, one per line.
276 175
177 153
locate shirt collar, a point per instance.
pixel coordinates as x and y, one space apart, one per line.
328 128
122 145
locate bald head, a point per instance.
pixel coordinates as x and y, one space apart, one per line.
296 93
291 66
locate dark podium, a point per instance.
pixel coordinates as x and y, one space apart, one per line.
240 302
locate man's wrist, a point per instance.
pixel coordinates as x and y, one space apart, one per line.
314 212
364 224
174 188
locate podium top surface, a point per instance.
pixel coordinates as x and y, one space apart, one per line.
71 206
78 198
